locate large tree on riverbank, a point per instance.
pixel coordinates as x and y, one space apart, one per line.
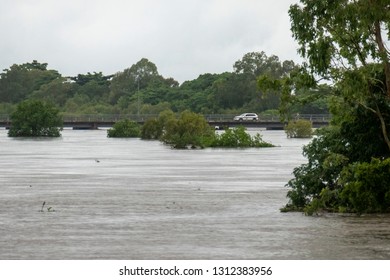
341 40
344 42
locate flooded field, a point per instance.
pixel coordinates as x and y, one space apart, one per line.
132 199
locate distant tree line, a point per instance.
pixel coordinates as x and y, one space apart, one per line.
141 89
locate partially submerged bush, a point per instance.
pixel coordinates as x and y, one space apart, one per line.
192 130
124 129
363 188
299 129
238 137
189 130
153 129
332 181
34 118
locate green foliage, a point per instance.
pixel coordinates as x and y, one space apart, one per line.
19 81
345 41
363 188
34 118
299 129
258 63
340 175
124 129
57 91
99 78
348 164
189 130
151 130
192 130
140 89
326 159
328 31
298 93
362 133
367 186
326 201
156 127
238 138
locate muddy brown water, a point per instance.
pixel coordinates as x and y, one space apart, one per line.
133 199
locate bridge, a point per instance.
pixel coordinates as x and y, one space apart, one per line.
215 120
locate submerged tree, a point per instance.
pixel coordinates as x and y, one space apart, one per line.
34 118
299 129
124 129
188 130
238 138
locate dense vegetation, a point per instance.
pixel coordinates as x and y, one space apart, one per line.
124 129
299 129
191 130
140 89
34 118
348 163
238 137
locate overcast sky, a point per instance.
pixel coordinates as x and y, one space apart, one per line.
184 38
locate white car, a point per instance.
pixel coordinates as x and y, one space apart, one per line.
247 117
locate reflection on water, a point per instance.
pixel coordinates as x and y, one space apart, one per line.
133 199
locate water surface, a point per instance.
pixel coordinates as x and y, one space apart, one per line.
134 199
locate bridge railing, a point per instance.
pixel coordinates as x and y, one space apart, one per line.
4 118
106 117
313 117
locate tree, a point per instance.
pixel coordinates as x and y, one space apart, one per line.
239 138
233 90
99 78
341 40
258 63
189 130
124 129
299 129
34 118
20 81
253 65
155 128
57 91
139 76
151 130
343 43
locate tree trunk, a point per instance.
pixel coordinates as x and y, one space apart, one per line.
383 54
383 125
386 65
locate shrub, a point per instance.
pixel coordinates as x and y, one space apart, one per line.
189 130
154 128
326 158
341 174
299 129
238 137
367 186
124 129
34 118
192 130
151 130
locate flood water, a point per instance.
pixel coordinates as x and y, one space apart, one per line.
132 199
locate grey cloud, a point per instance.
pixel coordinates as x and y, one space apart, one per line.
184 38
